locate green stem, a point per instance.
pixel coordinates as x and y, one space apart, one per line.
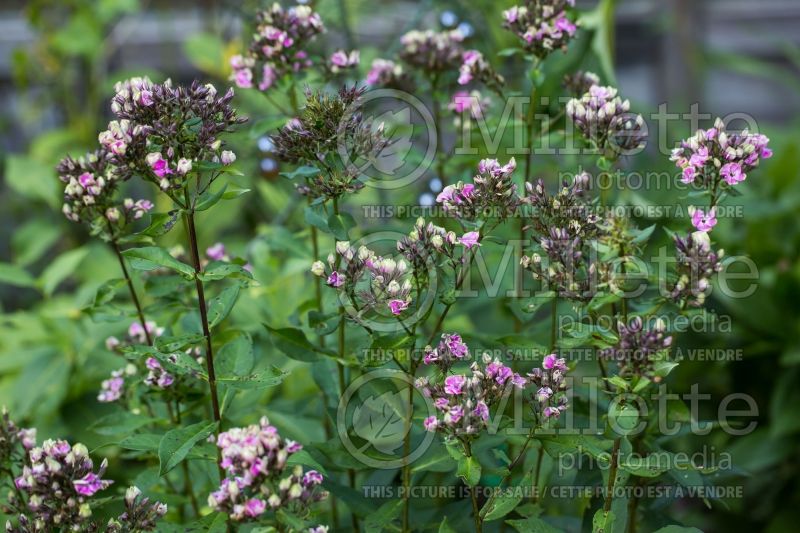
476 512
612 475
132 290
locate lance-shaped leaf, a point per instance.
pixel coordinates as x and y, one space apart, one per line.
380 420
153 257
178 442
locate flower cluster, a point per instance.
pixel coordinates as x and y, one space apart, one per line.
464 401
570 208
580 82
603 118
140 514
341 60
715 156
91 182
389 279
475 67
565 230
12 437
492 193
279 46
113 388
696 264
424 242
468 105
433 52
56 483
451 349
387 73
331 134
543 26
173 129
638 349
258 478
549 400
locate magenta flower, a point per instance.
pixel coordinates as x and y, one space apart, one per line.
543 394
89 484
481 411
254 507
335 279
470 239
689 174
398 306
454 415
704 221
551 412
453 384
732 173
431 423
216 252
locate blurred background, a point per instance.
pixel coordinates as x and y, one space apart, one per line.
59 60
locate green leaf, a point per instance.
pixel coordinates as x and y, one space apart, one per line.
502 504
314 215
178 442
260 380
60 269
341 224
173 344
119 423
106 292
532 524
650 466
469 469
142 442
209 199
301 172
221 270
625 418
154 257
16 276
679 529
383 517
32 179
220 307
603 522
294 344
160 223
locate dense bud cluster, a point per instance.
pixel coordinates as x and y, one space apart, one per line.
258 476
140 514
637 348
549 399
604 119
566 227
279 46
175 129
543 25
492 194
424 242
696 264
332 135
464 401
580 82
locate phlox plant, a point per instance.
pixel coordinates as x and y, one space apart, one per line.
185 370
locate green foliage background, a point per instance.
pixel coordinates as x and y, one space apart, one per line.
52 357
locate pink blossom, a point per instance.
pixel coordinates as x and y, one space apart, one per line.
431 423
454 384
216 252
470 239
481 411
89 484
335 279
254 507
398 306
689 174
704 221
732 173
243 78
